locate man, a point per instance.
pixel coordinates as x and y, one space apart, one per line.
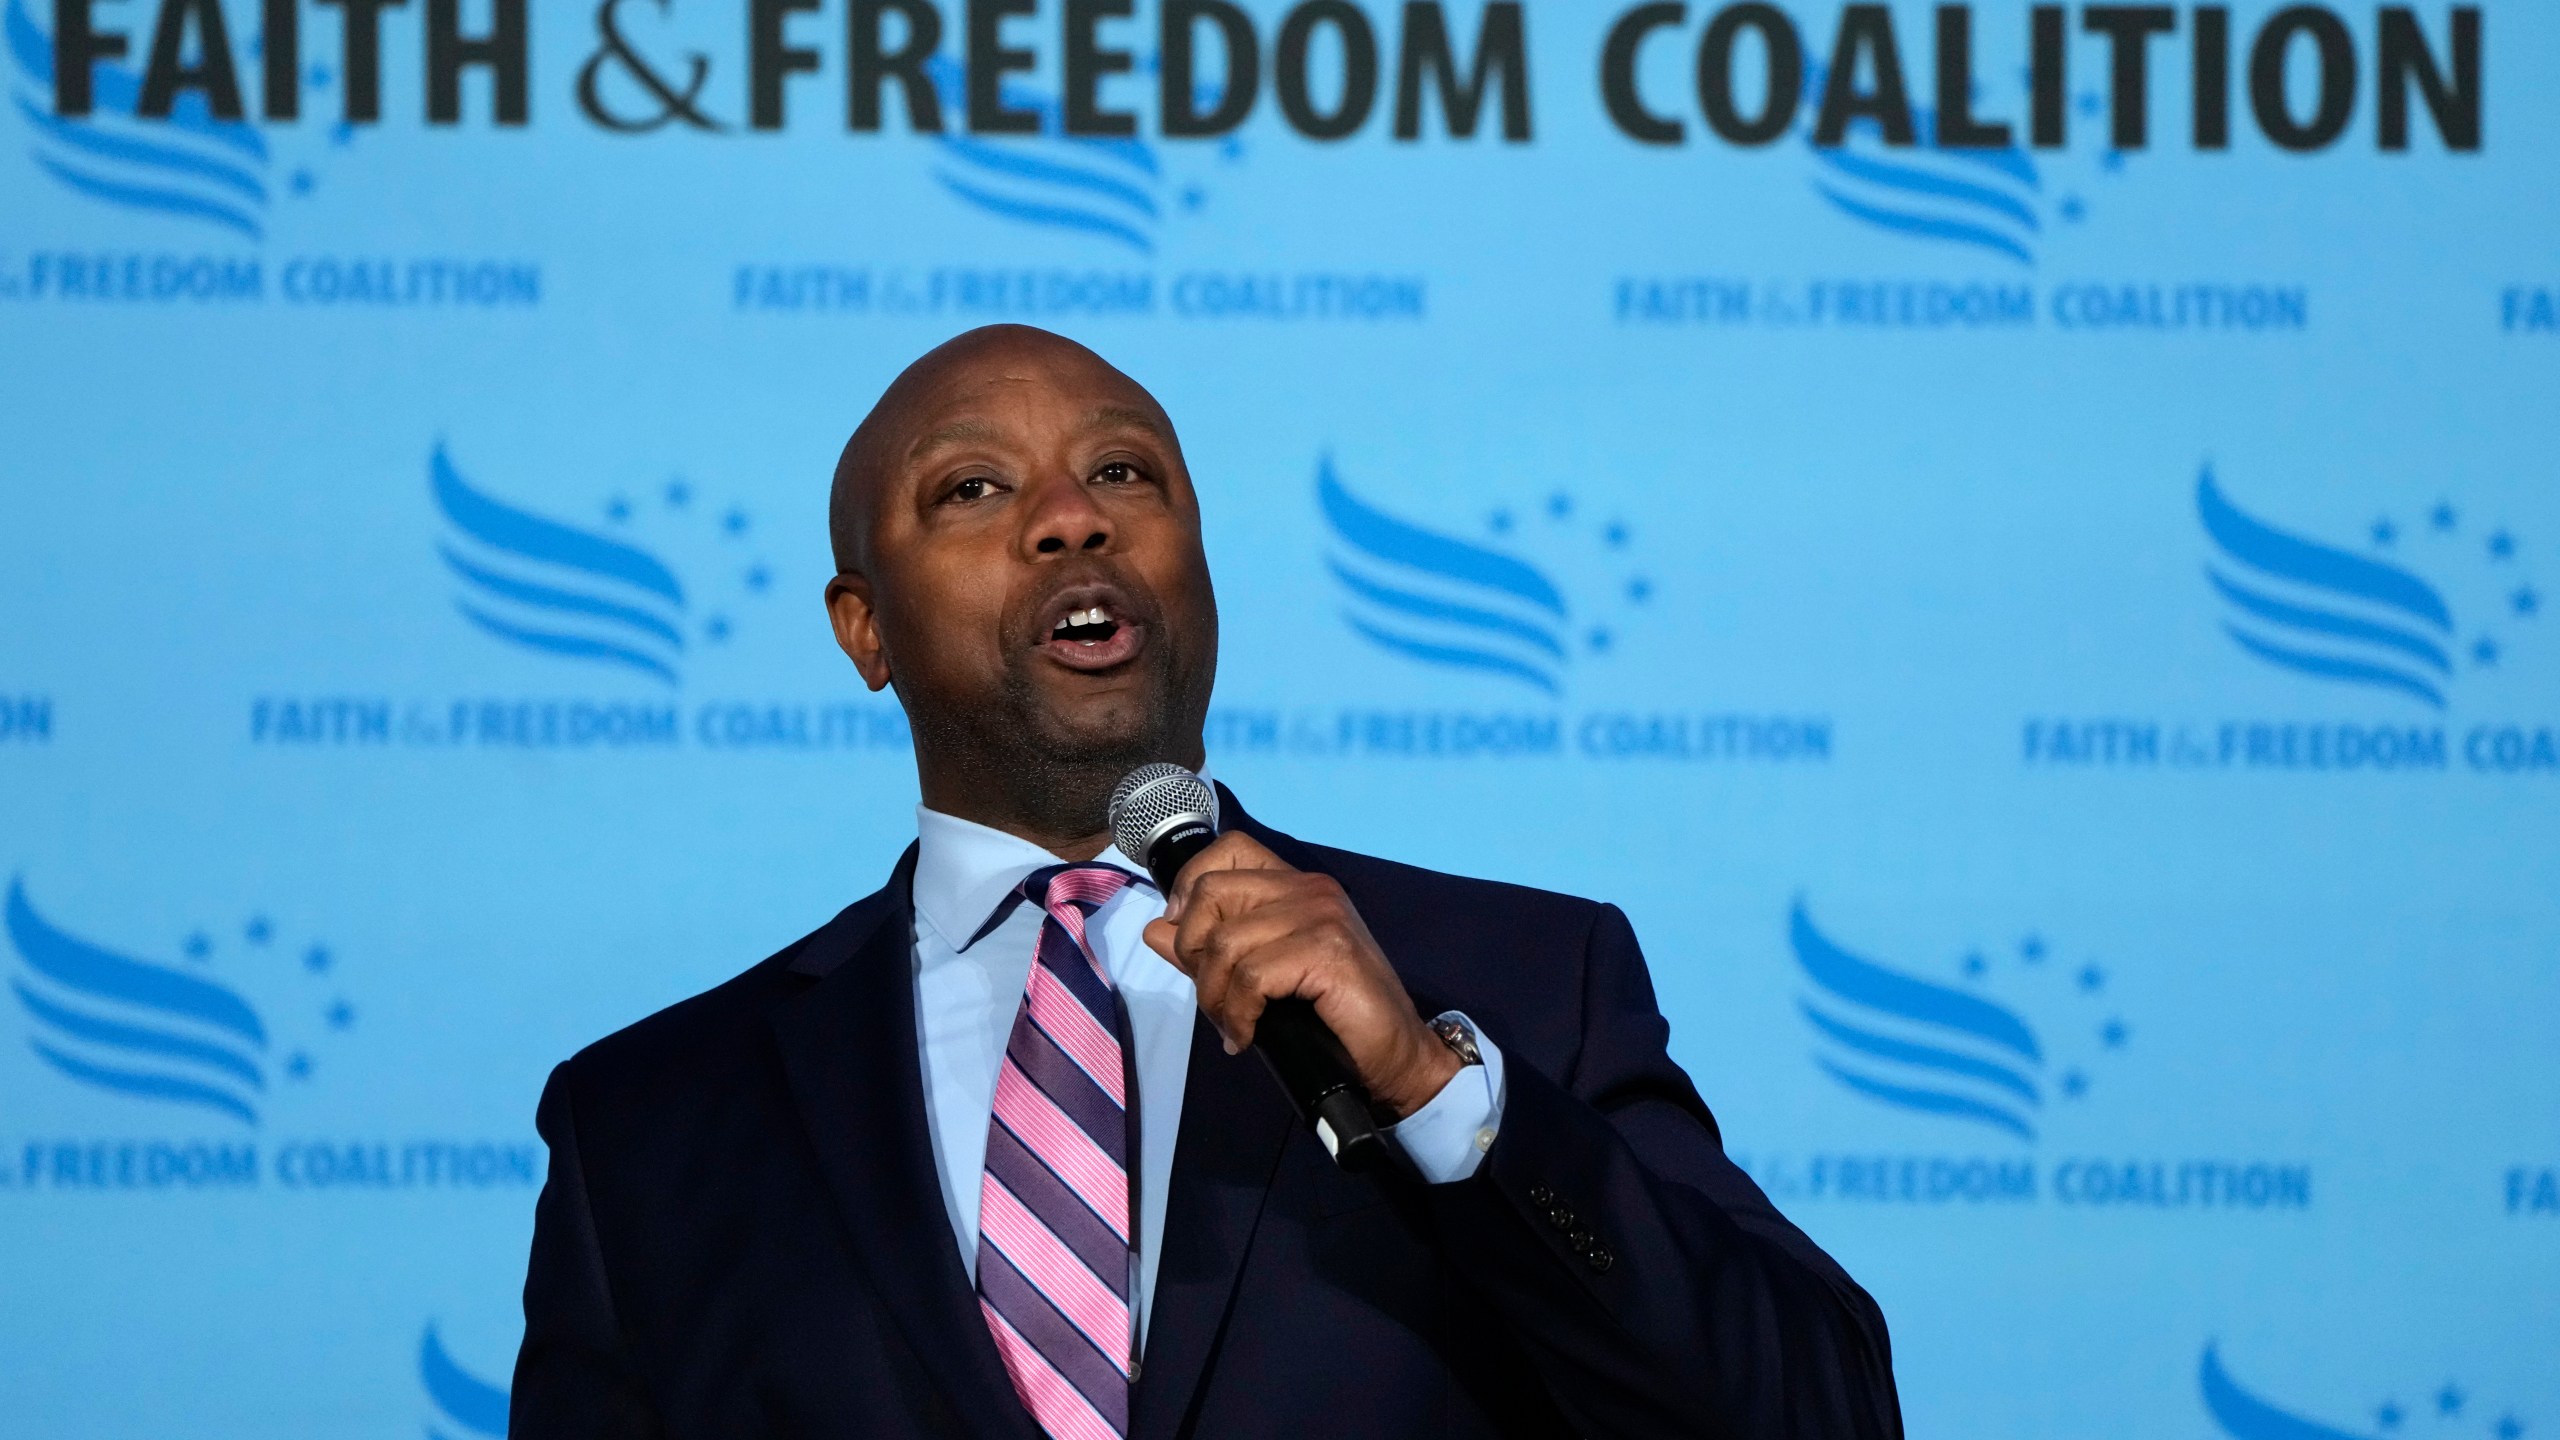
982 1156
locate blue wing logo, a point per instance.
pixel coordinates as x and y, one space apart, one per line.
471 1405
1092 185
1916 1045
1441 600
2321 611
552 588
132 1028
190 165
2244 1416
1989 200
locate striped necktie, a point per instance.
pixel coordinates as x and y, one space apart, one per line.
1056 1250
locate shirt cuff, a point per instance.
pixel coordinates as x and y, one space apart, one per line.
1447 1138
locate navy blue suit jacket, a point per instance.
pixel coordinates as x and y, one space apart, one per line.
742 1233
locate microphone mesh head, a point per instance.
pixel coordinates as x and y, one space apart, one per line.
1153 798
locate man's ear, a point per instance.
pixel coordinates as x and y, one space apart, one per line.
857 626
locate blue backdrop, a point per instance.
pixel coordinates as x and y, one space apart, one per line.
2046 639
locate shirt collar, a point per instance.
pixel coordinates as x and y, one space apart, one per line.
965 869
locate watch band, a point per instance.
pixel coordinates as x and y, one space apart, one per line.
1458 1035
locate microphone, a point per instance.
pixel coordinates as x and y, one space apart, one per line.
1161 816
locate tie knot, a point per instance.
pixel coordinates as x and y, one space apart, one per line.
1086 887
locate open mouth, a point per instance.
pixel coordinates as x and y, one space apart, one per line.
1092 625
1091 636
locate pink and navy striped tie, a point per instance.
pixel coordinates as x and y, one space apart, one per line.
1056 1253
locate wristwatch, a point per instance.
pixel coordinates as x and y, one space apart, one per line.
1458 1035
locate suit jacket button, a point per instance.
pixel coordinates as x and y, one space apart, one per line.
1562 1217
1540 1195
1599 1258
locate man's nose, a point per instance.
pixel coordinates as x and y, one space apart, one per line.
1064 519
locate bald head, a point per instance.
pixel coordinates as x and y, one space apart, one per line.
1018 553
928 407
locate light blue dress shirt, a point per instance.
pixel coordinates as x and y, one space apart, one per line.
967 995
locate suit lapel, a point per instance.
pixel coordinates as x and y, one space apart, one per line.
849 1046
1235 1126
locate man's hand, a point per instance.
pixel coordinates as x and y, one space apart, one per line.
1248 929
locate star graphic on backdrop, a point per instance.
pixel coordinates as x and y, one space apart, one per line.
1639 589
2089 103
258 931
679 494
2112 1034
758 577
1231 149
618 510
302 182
716 629
2388 1417
2526 602
1599 639
2484 651
2384 532
317 76
2112 161
1615 535
2509 1427
2091 977
299 1067
2442 517
342 134
2074 1084
341 1015
1559 505
316 959
1193 197
198 945
2502 546
1500 520
735 522
2032 948
2449 1399
1975 965
2073 210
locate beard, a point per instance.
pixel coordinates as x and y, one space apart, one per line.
1056 771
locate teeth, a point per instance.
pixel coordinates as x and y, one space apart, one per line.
1095 616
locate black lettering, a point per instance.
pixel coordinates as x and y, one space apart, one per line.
990 60
1180 97
1088 61
2337 97
1501 47
1957 128
1864 30
2454 105
2048 77
280 57
1618 72
868 63
1785 54
2213 77
360 57
78 45
502 50
168 73
1359 69
2129 29
771 59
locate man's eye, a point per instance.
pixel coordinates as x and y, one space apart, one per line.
1118 472
973 488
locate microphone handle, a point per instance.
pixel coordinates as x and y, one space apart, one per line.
1296 1046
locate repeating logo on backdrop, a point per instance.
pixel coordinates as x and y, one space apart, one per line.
176 1034
615 614
2407 626
2443 1409
2003 1046
189 1073
1496 625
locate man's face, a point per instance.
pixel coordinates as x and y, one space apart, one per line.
1035 585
